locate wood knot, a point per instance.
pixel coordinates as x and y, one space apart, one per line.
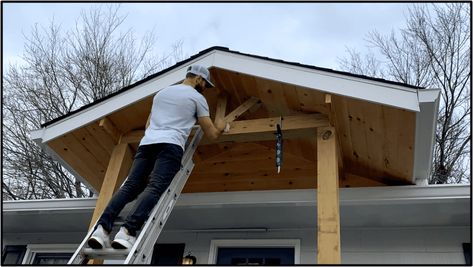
326 135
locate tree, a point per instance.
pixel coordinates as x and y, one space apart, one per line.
433 51
64 71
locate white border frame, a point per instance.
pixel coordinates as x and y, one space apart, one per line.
33 249
215 244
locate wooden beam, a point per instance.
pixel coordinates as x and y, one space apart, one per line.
242 109
110 128
299 126
328 206
332 119
132 137
117 170
221 107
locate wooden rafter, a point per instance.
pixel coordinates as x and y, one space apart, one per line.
248 104
107 125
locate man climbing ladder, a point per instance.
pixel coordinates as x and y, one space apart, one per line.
174 112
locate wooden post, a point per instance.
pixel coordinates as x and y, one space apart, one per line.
117 170
328 208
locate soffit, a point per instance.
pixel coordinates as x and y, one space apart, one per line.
376 140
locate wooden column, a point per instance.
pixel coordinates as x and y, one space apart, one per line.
117 170
328 208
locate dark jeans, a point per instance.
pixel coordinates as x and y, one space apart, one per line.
151 173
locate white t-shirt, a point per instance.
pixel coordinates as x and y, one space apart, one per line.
175 110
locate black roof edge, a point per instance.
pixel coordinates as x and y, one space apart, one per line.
150 77
225 49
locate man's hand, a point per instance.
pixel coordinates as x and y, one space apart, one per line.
211 130
220 125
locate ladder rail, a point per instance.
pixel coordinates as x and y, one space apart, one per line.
154 224
142 250
150 233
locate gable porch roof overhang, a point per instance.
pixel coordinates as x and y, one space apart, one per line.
424 102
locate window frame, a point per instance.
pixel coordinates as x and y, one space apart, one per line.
33 249
21 249
215 244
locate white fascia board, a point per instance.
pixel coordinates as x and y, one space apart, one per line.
118 102
298 197
428 95
367 90
426 122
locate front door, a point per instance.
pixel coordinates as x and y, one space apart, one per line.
255 256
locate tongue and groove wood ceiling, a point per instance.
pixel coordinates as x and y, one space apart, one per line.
376 141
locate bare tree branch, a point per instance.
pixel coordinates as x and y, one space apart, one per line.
65 70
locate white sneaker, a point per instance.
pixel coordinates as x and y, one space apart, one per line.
123 240
99 239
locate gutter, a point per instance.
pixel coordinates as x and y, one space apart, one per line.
409 194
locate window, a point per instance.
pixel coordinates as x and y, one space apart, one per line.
13 254
255 256
255 252
49 254
51 258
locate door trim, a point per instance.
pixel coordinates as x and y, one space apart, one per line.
215 244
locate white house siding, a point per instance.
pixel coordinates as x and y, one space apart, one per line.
419 245
393 245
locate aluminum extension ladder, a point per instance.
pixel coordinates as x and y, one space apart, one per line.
142 250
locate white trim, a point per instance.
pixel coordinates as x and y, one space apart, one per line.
215 244
33 249
117 102
426 122
364 89
348 196
428 95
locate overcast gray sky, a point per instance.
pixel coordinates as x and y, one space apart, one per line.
310 33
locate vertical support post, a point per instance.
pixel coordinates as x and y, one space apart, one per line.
117 170
328 207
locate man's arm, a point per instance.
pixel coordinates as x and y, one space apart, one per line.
211 131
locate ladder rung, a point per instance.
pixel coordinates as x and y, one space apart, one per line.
106 253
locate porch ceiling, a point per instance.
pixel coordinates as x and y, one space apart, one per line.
376 141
